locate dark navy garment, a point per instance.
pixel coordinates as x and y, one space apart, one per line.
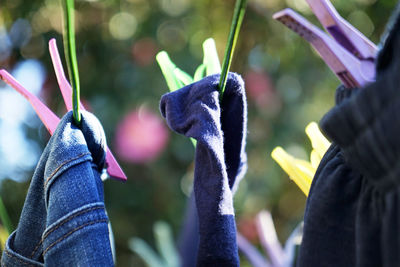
352 216
188 242
220 162
63 221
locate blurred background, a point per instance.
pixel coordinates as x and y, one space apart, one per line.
287 87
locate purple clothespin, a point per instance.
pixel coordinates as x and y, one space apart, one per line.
350 55
269 238
51 120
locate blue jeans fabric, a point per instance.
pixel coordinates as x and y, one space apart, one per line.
220 128
64 221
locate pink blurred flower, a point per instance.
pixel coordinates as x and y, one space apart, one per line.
141 136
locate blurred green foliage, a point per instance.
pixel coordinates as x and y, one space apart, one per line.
116 45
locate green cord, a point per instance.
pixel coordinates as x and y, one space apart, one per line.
5 219
240 9
70 55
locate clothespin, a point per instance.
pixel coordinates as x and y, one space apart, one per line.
255 258
301 171
350 55
269 238
51 120
277 255
177 78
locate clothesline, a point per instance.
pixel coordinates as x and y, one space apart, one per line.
350 181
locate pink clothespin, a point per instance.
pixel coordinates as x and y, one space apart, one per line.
350 55
49 119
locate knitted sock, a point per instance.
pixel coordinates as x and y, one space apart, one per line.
220 162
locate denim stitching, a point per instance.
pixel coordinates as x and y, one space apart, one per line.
18 259
61 223
69 218
71 232
62 164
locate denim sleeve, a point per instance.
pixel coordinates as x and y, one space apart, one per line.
220 162
63 221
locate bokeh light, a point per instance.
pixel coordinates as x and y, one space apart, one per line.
141 136
289 87
19 154
20 32
171 35
5 44
260 89
362 22
122 26
174 7
144 51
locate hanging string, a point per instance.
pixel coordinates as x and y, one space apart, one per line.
70 55
240 8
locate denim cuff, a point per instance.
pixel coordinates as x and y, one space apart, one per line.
13 258
63 220
64 230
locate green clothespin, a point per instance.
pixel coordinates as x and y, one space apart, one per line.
177 78
168 68
168 255
240 9
210 59
70 55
